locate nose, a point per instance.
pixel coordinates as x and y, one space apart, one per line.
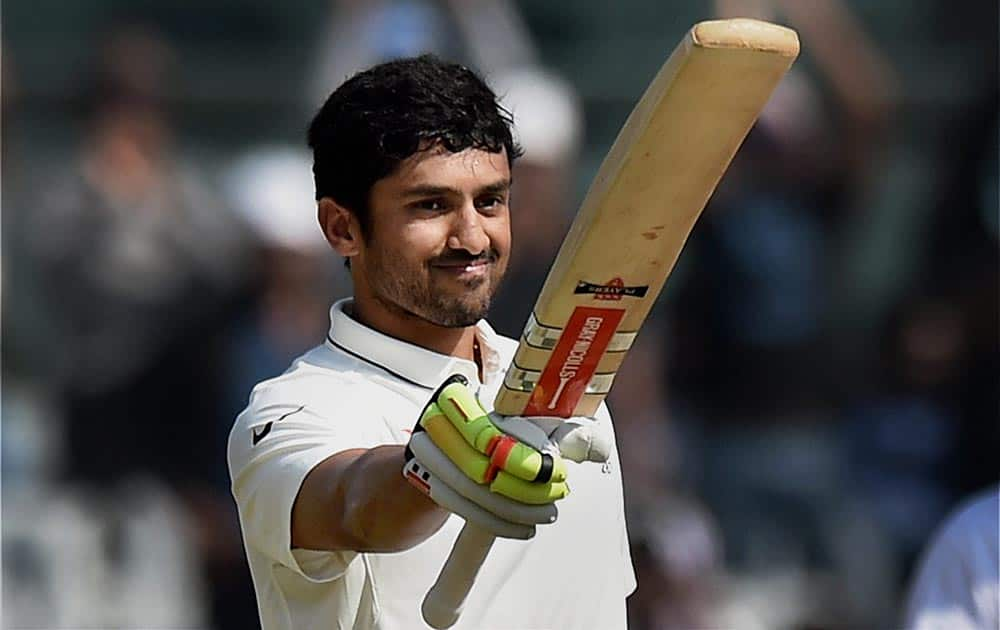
468 232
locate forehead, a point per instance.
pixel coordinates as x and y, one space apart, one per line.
437 166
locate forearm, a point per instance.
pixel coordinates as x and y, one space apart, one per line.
359 500
382 509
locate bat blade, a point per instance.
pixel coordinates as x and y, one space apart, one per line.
626 238
640 209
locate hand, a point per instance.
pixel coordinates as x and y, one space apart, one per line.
460 457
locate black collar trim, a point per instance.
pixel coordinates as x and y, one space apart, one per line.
378 365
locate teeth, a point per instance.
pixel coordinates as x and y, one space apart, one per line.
467 268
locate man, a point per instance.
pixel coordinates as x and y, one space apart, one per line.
412 166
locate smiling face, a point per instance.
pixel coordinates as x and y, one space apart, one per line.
438 238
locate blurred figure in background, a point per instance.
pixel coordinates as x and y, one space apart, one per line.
678 563
136 264
137 260
487 35
773 225
904 432
753 354
958 584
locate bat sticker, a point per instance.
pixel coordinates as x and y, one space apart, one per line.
614 289
574 361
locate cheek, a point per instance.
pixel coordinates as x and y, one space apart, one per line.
422 240
498 229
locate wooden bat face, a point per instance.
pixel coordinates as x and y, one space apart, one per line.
640 209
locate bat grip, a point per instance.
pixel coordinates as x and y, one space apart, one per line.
443 603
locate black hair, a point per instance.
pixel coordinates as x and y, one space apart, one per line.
381 116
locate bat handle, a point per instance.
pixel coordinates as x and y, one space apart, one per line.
443 603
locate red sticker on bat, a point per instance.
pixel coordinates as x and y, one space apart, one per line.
573 361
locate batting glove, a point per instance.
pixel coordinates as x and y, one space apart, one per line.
502 474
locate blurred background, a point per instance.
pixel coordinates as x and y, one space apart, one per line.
817 389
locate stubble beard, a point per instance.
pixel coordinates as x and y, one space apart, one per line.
409 291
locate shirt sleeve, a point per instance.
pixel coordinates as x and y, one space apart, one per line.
272 447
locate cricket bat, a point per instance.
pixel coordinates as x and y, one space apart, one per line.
626 237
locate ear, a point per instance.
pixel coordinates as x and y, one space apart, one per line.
340 227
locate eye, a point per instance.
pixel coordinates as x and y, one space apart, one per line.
430 205
490 202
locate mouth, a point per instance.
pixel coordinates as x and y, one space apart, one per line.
465 270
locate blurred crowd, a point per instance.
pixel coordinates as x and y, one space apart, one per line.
817 388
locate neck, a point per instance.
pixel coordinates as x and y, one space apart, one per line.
456 342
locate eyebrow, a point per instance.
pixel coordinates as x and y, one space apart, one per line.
501 186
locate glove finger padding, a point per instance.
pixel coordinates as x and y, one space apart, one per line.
426 452
456 403
475 468
470 467
439 492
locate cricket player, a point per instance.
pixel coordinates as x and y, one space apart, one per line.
412 166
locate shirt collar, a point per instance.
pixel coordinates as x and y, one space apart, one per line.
415 364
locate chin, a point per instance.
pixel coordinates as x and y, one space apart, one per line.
460 314
453 320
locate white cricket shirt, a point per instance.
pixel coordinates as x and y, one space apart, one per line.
363 389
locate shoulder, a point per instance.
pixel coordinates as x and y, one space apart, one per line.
316 378
326 400
326 383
